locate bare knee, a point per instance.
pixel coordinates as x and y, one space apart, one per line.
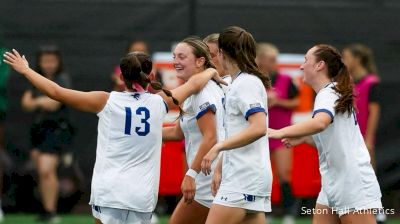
46 173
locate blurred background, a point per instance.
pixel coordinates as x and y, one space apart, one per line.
92 35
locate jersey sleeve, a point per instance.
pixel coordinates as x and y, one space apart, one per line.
202 103
293 91
250 98
325 102
375 93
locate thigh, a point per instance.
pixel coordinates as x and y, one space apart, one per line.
254 218
360 217
189 213
227 215
324 215
47 162
283 162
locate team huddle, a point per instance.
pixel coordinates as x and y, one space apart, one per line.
224 122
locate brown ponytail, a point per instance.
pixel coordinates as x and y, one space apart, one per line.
136 67
240 46
339 73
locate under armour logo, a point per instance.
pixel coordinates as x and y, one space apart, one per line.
222 198
136 96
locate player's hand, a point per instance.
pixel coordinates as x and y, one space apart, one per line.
275 134
188 188
218 78
16 61
290 142
216 181
209 158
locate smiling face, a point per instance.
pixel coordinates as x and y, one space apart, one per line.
310 66
185 62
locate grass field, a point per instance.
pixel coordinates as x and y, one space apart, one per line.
87 219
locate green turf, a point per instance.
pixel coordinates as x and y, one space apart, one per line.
87 219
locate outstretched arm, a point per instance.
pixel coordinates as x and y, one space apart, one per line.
85 101
309 127
290 142
192 86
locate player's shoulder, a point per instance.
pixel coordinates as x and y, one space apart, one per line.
246 83
327 91
209 89
155 97
247 79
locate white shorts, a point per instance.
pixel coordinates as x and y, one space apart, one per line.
120 216
248 202
343 210
205 202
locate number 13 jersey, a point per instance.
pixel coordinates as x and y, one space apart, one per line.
127 169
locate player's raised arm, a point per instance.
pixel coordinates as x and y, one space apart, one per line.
84 101
192 86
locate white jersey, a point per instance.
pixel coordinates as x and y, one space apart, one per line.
127 169
348 178
209 98
228 80
246 169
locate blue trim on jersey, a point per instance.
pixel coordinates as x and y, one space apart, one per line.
201 113
325 111
327 85
166 106
253 111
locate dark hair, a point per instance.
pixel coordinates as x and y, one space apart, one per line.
199 49
53 50
339 73
365 55
240 46
136 67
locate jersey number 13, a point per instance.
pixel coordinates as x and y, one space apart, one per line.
144 114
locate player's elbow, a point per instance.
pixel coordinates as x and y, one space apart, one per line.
54 93
260 131
320 126
211 139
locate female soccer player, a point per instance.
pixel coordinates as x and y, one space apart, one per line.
212 43
129 136
201 126
244 193
350 189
